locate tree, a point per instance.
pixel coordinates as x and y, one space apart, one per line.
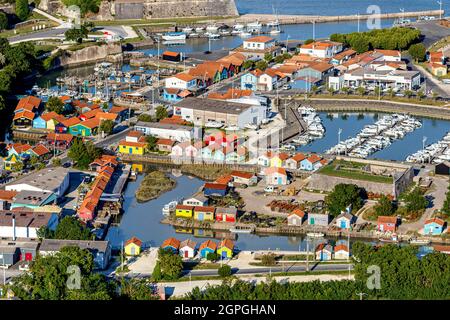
107 126
22 10
421 94
56 162
151 142
268 260
83 153
157 274
161 113
415 200
248 64
70 228
346 90
408 93
135 289
384 207
417 52
77 34
34 161
145 118
55 104
308 41
212 256
3 21
85 6
330 90
342 196
17 166
171 264
261 65
361 90
391 92
377 91
268 57
224 271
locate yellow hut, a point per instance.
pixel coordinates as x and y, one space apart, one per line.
133 247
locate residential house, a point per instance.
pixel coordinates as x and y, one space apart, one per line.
316 70
133 247
40 151
28 103
324 252
341 250
387 223
175 95
437 64
184 211
279 160
318 219
165 145
207 247
311 163
237 155
321 49
86 128
187 248
343 57
134 143
204 213
434 226
276 176
197 200
225 249
183 81
264 159
171 244
122 113
257 47
294 162
215 189
296 218
39 123
345 220
23 119
228 214
51 119
242 177
390 55
64 126
172 56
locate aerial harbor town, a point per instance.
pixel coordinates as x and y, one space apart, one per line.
224 149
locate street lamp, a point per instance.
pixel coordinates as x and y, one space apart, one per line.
440 9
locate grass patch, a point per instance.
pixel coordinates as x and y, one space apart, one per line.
153 185
352 170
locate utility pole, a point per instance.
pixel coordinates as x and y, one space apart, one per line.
307 254
348 258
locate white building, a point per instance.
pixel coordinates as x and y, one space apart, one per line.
187 248
55 180
321 49
400 79
182 81
390 55
201 111
166 131
259 43
17 224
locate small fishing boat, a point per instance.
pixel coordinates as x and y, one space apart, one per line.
420 242
239 229
169 208
315 235
170 36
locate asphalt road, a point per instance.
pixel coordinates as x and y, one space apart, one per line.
431 31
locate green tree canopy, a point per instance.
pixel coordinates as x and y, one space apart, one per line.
224 271
55 104
342 196
161 113
107 126
83 153
22 9
3 21
384 207
261 65
415 200
417 51
86 6
171 264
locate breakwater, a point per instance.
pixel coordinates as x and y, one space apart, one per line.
301 19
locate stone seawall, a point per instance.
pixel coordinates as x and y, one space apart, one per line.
327 183
148 9
109 52
360 105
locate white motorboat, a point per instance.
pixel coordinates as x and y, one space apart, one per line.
244 34
171 36
315 235
254 25
212 28
169 208
213 124
238 229
420 242
187 30
238 27
212 36
200 29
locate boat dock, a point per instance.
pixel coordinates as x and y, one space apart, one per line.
302 19
434 153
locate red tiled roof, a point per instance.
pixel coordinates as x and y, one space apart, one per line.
40 150
204 209
435 220
226 243
24 114
242 174
28 103
132 144
183 207
216 186
299 157
184 76
313 158
386 219
71 122
262 39
272 170
167 142
208 244
134 240
91 123
298 212
171 53
7 195
60 137
172 242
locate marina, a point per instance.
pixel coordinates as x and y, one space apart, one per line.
437 152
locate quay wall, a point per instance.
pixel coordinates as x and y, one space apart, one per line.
110 52
361 105
327 183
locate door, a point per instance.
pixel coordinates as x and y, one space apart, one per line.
186 254
28 256
280 180
224 254
200 216
311 221
343 225
130 150
133 251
